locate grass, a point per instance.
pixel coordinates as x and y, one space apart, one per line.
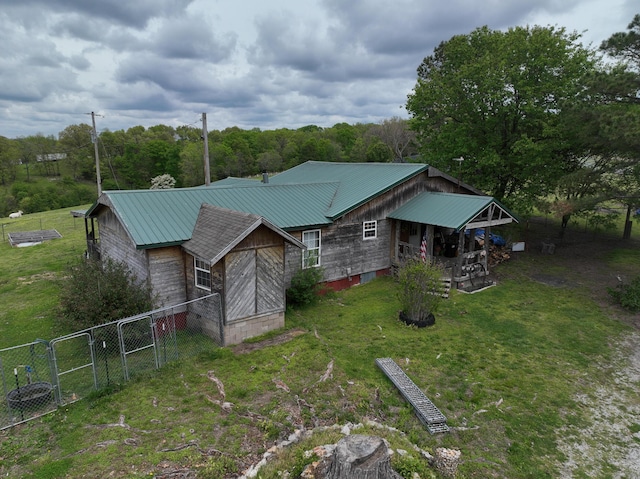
28 287
504 365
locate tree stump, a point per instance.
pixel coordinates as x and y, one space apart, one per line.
359 457
446 461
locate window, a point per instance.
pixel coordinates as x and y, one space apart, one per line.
203 274
311 256
369 230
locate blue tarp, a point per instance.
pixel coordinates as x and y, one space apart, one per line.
493 238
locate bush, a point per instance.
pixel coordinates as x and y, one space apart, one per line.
305 285
97 292
627 295
421 289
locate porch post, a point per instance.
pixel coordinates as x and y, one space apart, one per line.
396 247
460 258
486 247
430 241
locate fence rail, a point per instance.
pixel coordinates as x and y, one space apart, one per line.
40 376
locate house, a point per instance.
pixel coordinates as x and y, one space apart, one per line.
245 239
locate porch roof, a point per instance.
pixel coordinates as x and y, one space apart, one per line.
452 210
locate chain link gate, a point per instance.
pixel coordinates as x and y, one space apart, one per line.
27 382
40 376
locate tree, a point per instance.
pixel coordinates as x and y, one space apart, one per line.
9 155
397 135
420 291
75 141
163 182
494 99
625 45
95 292
192 164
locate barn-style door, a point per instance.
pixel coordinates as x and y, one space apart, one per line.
255 282
241 284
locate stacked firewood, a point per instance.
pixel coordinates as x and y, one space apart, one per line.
498 255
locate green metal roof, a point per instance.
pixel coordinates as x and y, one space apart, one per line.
444 209
156 218
357 182
309 195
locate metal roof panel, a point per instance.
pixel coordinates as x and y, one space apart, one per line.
450 210
358 182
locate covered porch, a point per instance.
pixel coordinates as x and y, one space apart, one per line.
442 227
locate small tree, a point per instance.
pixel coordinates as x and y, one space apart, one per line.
97 292
163 182
420 292
305 285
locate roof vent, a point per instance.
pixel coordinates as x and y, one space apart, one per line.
265 177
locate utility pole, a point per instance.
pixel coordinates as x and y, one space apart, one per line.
205 137
95 148
459 160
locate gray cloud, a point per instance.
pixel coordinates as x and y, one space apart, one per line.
267 64
136 13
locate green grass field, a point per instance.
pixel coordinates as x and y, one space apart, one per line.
506 366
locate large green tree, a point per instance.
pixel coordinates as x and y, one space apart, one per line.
76 141
494 98
620 89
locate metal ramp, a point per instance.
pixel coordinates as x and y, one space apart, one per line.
426 411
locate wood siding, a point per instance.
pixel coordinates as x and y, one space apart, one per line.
116 245
343 247
167 275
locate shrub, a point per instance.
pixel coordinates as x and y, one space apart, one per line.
627 295
304 286
420 292
96 292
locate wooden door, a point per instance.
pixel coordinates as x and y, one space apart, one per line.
240 297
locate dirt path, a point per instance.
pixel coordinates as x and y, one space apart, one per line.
610 445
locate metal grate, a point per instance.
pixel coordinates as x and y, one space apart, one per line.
426 411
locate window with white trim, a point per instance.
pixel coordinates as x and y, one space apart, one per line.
311 256
203 274
369 230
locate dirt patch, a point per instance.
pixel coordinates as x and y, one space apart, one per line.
37 277
580 260
280 339
613 437
555 281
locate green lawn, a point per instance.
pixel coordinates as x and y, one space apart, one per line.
504 365
28 276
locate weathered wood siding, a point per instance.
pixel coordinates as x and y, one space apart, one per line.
167 275
240 297
116 244
344 252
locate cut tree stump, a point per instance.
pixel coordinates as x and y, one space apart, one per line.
358 457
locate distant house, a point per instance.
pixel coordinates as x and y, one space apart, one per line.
51 157
245 239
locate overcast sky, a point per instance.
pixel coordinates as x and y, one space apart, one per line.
247 63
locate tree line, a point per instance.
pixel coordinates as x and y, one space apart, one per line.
528 115
130 159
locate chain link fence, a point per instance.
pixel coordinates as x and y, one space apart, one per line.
40 376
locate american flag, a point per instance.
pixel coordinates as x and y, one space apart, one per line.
423 249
